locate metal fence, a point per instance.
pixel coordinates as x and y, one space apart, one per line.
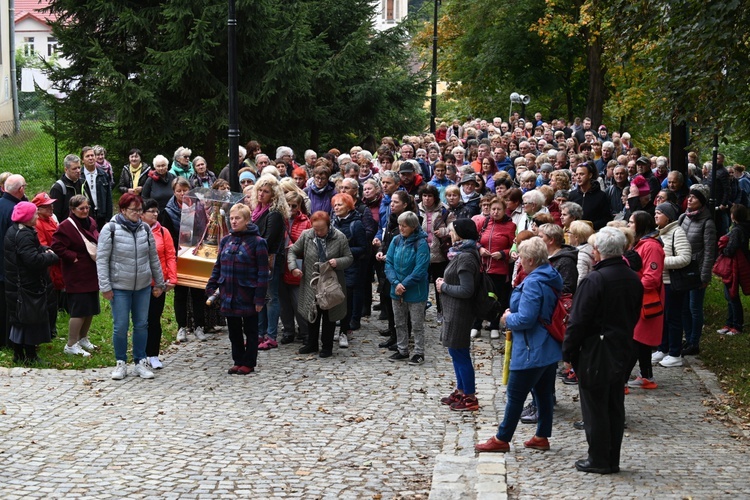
31 150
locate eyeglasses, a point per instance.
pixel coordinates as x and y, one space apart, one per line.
246 181
85 209
186 156
153 211
135 210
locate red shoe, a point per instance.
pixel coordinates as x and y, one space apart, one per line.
537 443
245 370
467 403
454 397
648 384
571 378
493 445
233 370
267 344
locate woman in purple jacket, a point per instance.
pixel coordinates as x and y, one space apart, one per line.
239 280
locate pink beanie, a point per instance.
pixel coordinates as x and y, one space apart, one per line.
23 212
640 184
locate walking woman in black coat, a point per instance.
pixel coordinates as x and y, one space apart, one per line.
26 264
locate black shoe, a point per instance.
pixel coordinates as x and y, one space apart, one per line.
394 347
385 332
325 353
691 350
286 339
398 357
585 466
376 307
382 316
578 425
308 349
388 343
417 359
355 326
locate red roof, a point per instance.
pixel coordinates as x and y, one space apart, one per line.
32 8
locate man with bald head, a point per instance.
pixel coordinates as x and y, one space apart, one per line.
15 191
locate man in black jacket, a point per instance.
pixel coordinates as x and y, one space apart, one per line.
66 187
590 196
598 343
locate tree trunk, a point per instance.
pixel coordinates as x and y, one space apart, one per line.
314 136
595 101
678 146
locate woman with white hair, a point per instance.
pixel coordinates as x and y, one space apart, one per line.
270 214
159 183
535 353
406 264
181 164
533 203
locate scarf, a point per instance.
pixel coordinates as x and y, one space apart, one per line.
694 213
127 223
258 212
461 246
135 174
85 223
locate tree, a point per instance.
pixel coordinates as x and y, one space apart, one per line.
153 74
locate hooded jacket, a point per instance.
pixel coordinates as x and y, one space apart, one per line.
701 234
677 252
406 263
566 263
535 298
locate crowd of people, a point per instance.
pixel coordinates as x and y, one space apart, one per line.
543 209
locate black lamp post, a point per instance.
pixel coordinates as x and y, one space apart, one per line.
234 128
433 96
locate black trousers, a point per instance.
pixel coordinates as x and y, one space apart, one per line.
155 310
198 297
603 411
4 327
243 334
387 306
326 336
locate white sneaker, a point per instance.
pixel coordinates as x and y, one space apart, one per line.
182 335
336 336
343 341
141 369
155 363
199 333
723 330
76 349
475 333
86 344
670 361
658 356
120 371
494 334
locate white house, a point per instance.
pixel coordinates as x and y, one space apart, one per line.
388 13
33 34
6 95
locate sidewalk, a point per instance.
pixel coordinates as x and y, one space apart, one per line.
351 426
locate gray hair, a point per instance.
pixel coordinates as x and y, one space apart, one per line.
365 154
574 209
608 145
610 242
14 183
410 219
349 180
534 249
534 197
242 153
309 153
160 159
182 150
708 166
391 174
70 160
258 157
553 232
661 161
283 150
458 149
374 183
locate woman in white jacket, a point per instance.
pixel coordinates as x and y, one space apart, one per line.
677 254
126 262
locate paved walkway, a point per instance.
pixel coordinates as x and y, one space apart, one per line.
351 426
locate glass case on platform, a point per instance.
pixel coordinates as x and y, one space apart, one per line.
204 222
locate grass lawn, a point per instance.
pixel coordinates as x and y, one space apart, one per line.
31 153
100 334
727 357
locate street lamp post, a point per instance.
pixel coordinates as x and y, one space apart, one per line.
234 128
521 99
433 96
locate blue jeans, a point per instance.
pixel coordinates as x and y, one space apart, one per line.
671 339
520 383
124 304
268 319
464 369
692 316
735 315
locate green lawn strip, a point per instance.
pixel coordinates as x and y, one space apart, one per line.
31 153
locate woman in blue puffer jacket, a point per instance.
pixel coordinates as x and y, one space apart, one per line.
535 353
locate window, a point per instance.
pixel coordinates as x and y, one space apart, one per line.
28 46
51 46
389 9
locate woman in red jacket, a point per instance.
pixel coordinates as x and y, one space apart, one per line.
79 273
46 225
648 330
289 294
496 235
168 259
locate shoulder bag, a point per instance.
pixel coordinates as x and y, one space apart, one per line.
90 247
